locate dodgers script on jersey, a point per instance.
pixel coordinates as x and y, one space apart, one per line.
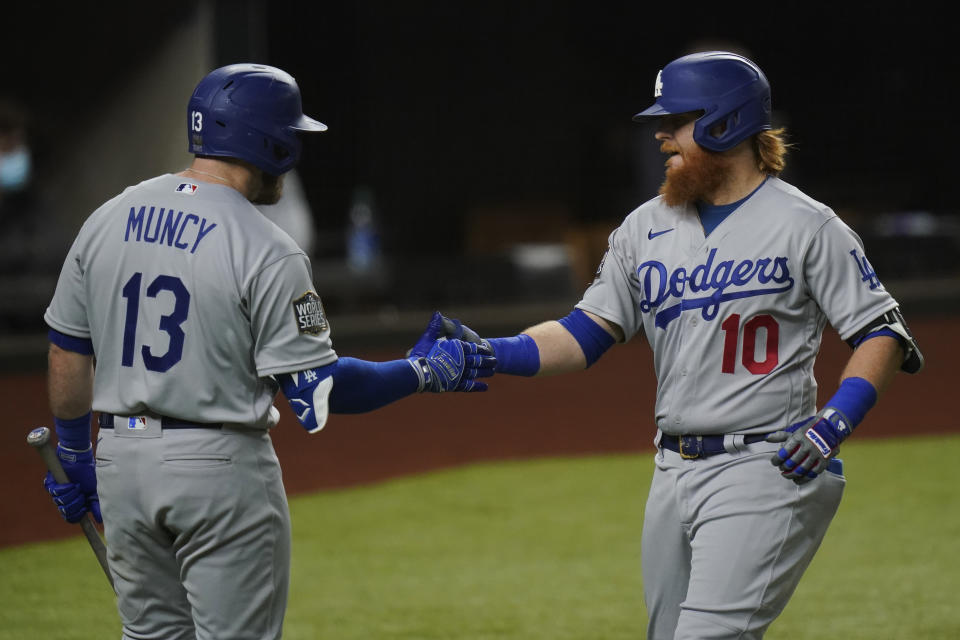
152 342
739 313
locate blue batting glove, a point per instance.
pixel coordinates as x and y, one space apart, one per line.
454 365
442 327
70 501
809 445
75 498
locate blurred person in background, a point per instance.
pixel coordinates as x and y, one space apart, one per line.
30 247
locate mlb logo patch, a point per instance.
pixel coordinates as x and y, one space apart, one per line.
137 423
187 187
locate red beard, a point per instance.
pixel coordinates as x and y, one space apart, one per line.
269 190
699 176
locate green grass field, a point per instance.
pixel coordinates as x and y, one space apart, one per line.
549 549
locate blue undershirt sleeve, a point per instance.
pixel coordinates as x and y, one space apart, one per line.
592 338
355 386
361 385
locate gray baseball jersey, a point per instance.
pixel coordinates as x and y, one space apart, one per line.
191 298
735 319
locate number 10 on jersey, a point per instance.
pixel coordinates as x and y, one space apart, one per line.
731 344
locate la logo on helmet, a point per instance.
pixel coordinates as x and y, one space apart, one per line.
658 85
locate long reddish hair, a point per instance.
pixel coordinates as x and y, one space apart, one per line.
771 149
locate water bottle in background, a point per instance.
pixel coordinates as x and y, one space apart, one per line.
363 236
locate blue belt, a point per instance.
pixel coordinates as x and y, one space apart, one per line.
107 421
693 447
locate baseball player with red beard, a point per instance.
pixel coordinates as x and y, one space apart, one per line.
731 274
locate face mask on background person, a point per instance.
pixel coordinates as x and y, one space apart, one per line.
15 167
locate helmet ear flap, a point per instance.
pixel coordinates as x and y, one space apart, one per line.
724 124
715 131
730 123
280 154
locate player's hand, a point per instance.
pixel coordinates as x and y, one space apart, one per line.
441 326
454 365
75 498
808 446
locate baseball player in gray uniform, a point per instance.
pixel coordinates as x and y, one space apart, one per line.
731 274
180 312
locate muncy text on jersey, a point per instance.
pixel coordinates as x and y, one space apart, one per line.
158 225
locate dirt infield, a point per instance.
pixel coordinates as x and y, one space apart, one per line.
606 409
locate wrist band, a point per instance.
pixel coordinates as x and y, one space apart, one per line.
853 399
74 433
422 370
518 355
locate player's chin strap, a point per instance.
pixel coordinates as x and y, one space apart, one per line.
892 324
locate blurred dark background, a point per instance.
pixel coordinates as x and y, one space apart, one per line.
478 153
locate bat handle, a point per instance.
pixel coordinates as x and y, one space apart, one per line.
39 438
96 543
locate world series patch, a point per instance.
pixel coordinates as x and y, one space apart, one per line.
308 311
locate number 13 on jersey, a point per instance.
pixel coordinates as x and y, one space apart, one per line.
169 323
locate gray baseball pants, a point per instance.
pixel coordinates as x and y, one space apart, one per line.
198 532
726 540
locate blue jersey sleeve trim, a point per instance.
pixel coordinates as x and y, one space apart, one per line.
882 332
518 355
83 346
592 338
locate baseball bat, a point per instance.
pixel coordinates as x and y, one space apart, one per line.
39 438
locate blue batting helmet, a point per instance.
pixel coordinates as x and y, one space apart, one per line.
728 88
251 112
